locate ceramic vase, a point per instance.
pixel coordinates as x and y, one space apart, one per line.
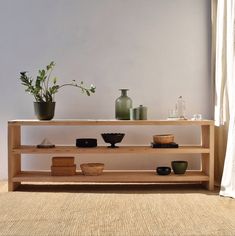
44 110
123 104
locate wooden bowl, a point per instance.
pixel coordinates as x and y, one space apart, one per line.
92 168
163 138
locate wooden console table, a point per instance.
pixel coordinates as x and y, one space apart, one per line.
206 149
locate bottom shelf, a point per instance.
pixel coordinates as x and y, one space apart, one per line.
113 177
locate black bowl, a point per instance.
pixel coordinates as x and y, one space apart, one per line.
163 170
86 142
179 167
113 138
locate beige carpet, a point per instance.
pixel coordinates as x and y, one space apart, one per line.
115 210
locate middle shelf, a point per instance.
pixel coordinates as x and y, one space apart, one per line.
29 149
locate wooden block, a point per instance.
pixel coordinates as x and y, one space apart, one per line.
62 161
63 170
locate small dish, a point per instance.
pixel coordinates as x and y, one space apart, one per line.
163 170
86 142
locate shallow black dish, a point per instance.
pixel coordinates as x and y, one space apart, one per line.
164 145
45 146
163 170
112 138
86 142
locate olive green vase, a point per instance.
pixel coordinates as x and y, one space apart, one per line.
44 110
179 167
123 104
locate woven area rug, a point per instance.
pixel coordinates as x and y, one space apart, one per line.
115 210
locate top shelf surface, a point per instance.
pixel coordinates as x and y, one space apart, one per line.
92 122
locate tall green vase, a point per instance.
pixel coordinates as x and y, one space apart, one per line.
123 105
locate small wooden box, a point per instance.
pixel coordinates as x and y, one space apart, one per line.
63 170
62 161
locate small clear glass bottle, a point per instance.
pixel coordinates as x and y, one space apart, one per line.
180 108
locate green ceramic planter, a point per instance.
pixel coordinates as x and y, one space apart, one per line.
179 167
44 110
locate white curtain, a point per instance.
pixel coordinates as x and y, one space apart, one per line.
224 53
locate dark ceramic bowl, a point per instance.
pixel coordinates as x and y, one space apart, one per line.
86 142
163 170
179 167
112 138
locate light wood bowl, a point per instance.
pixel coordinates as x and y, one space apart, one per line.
163 138
92 168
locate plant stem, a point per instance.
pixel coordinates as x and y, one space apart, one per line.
71 84
48 78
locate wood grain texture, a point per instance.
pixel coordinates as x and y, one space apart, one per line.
86 122
206 149
207 162
112 177
211 162
105 150
14 159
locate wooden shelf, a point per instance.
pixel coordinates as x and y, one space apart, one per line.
112 177
27 149
88 122
16 149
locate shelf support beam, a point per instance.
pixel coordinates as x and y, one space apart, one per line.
14 160
207 160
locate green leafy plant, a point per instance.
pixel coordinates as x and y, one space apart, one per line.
44 87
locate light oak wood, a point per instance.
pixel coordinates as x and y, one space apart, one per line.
105 150
113 177
205 167
63 161
207 160
14 159
205 136
206 149
211 157
63 170
108 122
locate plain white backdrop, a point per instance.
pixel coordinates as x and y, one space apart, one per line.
159 49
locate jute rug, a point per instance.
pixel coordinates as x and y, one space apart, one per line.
115 210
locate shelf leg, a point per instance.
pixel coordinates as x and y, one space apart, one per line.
14 160
207 160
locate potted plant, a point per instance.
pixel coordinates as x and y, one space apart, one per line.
44 89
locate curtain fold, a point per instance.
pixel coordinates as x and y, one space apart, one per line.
223 52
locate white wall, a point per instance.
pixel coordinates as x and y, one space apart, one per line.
159 49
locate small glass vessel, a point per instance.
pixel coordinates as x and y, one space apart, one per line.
123 105
180 108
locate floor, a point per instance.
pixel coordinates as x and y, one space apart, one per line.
138 210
